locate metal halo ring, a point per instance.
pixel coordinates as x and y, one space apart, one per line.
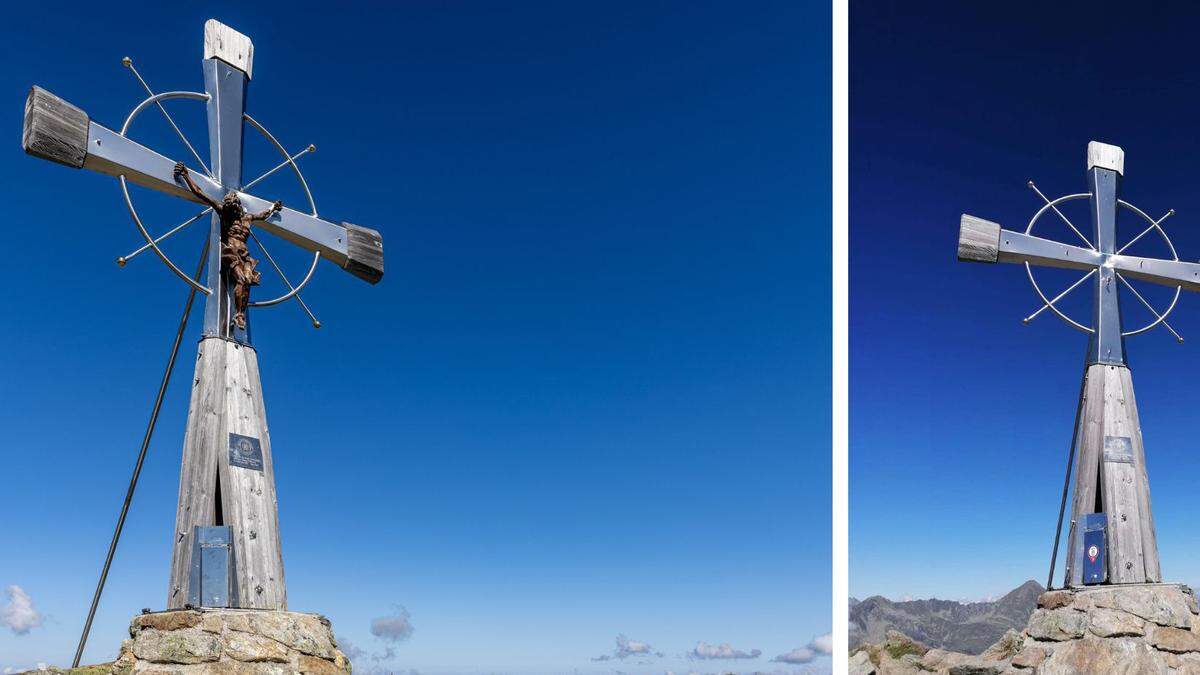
1029 269
312 204
1174 256
125 187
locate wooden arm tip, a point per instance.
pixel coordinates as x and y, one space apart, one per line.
978 240
54 129
364 253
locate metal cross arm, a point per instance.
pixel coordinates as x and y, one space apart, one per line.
981 240
60 132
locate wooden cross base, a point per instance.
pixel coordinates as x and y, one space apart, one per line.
1112 479
228 476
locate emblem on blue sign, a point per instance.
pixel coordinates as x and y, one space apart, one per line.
1095 570
245 451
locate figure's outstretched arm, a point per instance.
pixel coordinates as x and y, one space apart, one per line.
275 208
181 171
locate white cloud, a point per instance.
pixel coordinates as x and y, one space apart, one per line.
797 655
820 645
19 614
349 649
704 650
397 627
627 647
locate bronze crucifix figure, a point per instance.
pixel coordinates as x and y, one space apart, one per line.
235 229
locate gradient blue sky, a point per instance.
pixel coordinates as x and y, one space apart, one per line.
591 395
960 416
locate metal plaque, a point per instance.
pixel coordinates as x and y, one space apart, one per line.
211 581
245 451
1118 449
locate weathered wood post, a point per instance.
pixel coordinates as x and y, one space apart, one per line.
1108 447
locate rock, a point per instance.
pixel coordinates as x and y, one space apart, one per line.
211 623
302 632
228 642
250 648
1184 664
311 664
125 659
1008 645
1175 640
1128 656
939 659
860 663
1029 657
180 647
955 663
977 668
1115 623
898 645
1057 624
1055 599
169 620
1164 605
229 668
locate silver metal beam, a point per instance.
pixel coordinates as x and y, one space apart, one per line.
1158 271
1107 343
1018 247
145 247
114 155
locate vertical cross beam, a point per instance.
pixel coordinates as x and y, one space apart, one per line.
1112 460
226 86
228 475
1106 163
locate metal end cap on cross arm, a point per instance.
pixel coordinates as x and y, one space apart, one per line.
1106 156
978 240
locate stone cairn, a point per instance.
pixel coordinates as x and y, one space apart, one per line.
226 641
1147 629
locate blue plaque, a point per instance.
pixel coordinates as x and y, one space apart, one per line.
1095 569
245 451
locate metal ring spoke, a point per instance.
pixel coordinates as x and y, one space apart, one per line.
1058 297
152 242
1154 224
1029 269
1161 317
1050 304
290 161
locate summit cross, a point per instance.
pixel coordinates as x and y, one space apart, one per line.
1111 491
227 476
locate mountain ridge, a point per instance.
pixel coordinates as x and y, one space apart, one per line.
969 627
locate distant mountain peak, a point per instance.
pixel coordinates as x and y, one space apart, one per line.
968 627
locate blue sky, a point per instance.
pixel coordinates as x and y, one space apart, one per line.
960 416
590 397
